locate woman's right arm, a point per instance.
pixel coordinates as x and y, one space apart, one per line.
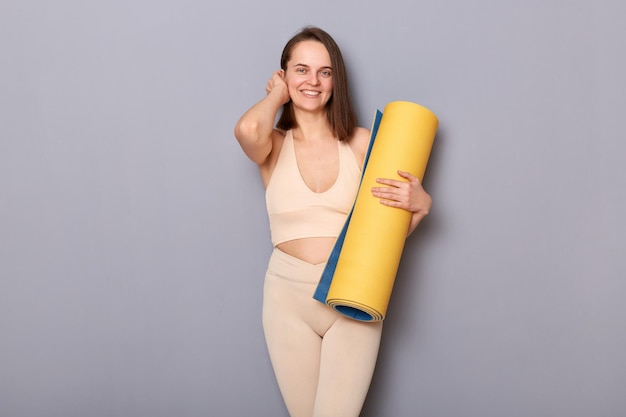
255 128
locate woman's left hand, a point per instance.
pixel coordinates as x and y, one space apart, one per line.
408 195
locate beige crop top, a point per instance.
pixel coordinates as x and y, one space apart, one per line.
295 211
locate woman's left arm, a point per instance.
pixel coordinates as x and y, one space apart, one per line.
408 195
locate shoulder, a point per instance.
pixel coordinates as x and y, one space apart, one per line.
359 142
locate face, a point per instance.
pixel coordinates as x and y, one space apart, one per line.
309 76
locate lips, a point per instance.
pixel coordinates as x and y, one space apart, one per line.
310 93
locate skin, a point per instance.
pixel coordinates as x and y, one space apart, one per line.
308 82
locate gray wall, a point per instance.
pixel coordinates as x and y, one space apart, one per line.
133 237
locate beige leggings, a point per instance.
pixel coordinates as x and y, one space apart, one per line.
323 361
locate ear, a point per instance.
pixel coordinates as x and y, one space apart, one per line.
282 73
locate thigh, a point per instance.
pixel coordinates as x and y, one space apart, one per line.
348 358
294 347
294 351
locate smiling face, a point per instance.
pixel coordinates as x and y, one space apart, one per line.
329 94
309 76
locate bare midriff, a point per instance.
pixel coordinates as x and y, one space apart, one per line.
313 250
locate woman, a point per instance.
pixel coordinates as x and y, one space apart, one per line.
310 164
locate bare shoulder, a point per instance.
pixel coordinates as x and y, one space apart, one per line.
359 143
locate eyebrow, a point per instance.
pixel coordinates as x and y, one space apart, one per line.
305 65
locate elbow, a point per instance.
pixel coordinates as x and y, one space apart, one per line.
246 130
251 140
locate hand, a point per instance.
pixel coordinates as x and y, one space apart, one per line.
276 85
408 195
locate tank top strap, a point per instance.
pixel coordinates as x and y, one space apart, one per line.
286 164
347 157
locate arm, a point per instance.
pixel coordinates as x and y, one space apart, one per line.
408 195
255 128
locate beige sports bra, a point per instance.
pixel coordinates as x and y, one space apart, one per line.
295 211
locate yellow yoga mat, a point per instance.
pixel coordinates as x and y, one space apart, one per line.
360 273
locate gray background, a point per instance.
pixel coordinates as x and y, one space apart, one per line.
133 236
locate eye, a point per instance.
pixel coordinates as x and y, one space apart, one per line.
326 73
301 70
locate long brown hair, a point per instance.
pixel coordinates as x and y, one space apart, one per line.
339 110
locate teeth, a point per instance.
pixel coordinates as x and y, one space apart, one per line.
311 93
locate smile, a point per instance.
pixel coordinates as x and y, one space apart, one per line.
310 93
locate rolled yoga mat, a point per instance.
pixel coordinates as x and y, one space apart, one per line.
359 275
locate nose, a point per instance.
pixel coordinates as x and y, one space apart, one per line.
314 79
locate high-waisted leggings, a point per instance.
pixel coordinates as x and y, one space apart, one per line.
323 361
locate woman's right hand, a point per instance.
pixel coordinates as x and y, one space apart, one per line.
276 85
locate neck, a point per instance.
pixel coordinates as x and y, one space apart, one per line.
312 127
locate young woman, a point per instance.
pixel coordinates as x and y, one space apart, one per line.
310 163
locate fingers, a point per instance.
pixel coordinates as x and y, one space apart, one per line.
385 192
393 189
277 86
391 203
277 77
397 183
407 194
395 196
390 182
408 175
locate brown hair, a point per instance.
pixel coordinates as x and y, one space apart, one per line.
339 110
